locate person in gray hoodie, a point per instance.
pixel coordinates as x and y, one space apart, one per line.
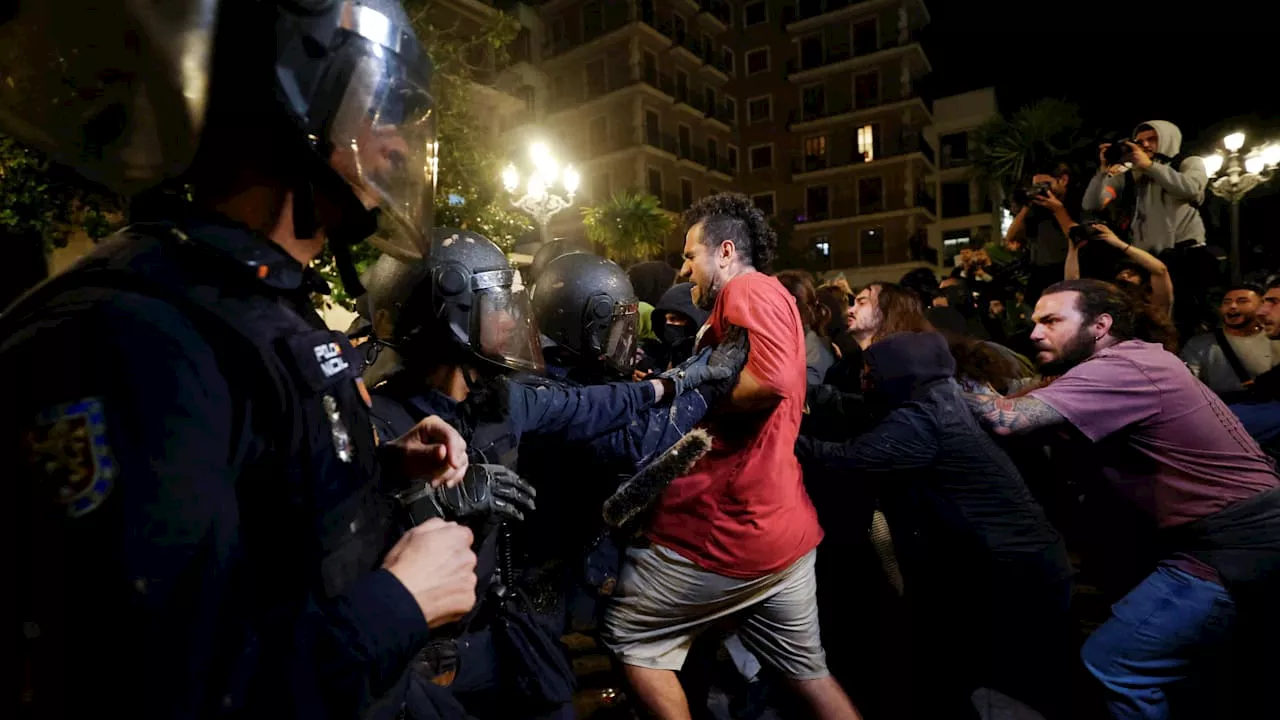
1168 193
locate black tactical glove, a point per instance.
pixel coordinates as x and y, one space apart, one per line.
731 353
713 368
488 493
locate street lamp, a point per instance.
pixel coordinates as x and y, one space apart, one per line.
1232 177
540 198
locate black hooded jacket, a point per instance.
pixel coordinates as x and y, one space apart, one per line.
965 499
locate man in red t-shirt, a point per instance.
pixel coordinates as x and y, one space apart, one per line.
736 538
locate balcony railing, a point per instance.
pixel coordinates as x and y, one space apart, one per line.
814 163
833 55
835 107
806 9
671 201
719 9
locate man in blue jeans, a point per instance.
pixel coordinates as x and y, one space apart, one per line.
1168 445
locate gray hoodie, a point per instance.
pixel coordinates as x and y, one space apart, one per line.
1166 214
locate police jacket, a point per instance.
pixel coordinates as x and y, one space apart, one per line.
194 490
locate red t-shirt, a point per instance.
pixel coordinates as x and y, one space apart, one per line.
743 512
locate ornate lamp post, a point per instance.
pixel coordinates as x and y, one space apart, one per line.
540 198
1233 175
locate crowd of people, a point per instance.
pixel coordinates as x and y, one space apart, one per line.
874 501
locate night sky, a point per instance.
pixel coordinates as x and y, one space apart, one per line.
1208 71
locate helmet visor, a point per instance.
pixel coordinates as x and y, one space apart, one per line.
384 141
619 349
503 328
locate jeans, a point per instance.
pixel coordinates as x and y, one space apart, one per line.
1163 632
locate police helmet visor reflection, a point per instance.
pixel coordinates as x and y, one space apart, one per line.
619 349
383 134
503 329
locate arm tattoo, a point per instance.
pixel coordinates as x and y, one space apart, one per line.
1008 416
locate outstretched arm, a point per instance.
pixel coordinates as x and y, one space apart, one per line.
1012 416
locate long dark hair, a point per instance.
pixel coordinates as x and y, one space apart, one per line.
837 304
814 315
1132 315
901 310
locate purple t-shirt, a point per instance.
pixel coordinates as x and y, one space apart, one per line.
1164 439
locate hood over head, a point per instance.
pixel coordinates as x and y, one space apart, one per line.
1170 137
678 298
902 363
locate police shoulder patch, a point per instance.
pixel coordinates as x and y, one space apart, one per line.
69 456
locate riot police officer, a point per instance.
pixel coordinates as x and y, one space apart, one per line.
462 330
200 514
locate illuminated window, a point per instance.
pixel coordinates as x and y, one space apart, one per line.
822 247
867 143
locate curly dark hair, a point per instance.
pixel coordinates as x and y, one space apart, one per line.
733 217
1131 315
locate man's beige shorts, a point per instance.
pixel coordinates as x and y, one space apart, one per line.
663 602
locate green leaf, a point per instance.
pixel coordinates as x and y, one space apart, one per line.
631 226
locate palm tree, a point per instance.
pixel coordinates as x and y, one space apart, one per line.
1037 137
631 226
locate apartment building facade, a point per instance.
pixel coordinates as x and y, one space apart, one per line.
968 211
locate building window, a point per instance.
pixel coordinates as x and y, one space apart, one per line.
955 199
686 193
652 128
598 134
592 20
655 182
866 89
866 36
726 57
815 153
597 81
817 203
822 247
708 54
954 149
682 86
813 101
762 157
731 157
867 142
678 29
754 13
810 51
758 61
871 246
685 136
731 110
870 195
709 95
764 201
557 32
713 152
760 109
600 189
650 68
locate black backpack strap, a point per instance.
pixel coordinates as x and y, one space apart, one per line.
1232 358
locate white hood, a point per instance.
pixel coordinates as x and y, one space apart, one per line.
1169 137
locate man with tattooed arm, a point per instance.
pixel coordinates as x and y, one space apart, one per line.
1168 445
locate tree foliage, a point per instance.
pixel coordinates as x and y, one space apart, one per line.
463 54
1033 139
41 201
631 225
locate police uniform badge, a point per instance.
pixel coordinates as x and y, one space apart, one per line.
68 454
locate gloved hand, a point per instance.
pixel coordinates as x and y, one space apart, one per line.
731 353
488 493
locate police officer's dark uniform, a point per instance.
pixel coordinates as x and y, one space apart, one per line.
190 459
465 310
586 308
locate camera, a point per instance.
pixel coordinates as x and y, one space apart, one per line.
1117 152
1022 196
1081 234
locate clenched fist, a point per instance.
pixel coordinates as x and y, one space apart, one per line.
435 563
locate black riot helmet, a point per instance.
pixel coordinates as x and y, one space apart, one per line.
337 88
466 307
550 251
585 304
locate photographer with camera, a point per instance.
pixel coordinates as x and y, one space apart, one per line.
1048 211
1139 267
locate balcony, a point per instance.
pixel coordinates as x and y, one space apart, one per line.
834 160
720 164
845 207
834 108
688 98
717 11
809 14
671 202
844 58
723 113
